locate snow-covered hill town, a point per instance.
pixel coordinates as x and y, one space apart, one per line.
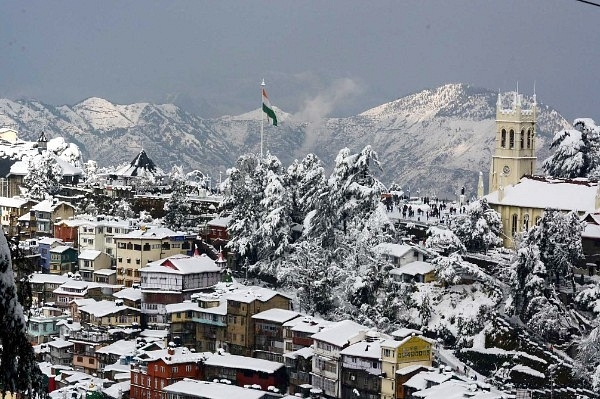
281 281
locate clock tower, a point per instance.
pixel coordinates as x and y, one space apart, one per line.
514 149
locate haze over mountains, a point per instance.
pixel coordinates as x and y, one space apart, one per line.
434 141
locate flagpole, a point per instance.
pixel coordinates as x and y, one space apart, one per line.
262 119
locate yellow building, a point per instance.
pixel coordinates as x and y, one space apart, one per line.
406 349
514 149
514 191
139 247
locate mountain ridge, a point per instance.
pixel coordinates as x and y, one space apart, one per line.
435 141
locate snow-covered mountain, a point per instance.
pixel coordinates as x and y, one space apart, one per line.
434 141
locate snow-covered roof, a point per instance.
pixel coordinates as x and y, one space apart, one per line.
60 343
14 202
49 205
242 362
536 192
591 231
220 309
420 380
371 350
116 390
456 389
409 369
104 308
339 333
220 222
183 264
158 233
308 324
61 248
141 165
89 254
306 353
179 355
252 293
132 294
41 278
414 268
50 240
276 315
212 390
404 332
105 272
395 250
120 347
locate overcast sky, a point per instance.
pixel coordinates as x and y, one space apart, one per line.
345 56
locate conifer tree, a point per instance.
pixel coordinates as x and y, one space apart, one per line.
19 372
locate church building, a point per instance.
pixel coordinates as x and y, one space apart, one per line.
514 191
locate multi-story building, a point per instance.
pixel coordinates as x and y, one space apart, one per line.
140 247
77 289
44 325
91 260
242 304
297 333
49 212
60 352
11 209
109 314
154 370
200 324
407 348
299 366
174 280
246 371
191 389
327 365
401 254
45 245
361 368
43 286
86 343
268 333
63 259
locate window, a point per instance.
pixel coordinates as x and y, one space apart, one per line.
512 139
146 247
175 369
528 138
514 226
120 260
128 260
137 247
138 261
522 141
526 223
121 245
129 245
503 140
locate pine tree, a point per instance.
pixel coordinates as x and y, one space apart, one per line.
558 237
19 372
178 205
577 151
480 228
43 176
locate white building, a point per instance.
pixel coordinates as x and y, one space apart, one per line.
173 280
326 362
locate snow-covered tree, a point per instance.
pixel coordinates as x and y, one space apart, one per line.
123 210
351 194
527 278
577 151
480 228
260 211
43 176
558 237
588 358
178 205
443 240
307 271
305 179
19 372
90 172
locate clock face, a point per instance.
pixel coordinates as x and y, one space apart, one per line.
506 169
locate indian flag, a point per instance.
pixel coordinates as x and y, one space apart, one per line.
267 108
